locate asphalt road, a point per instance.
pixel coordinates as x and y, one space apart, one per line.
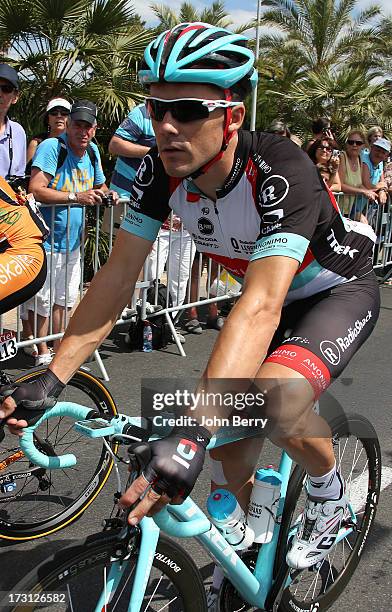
366 388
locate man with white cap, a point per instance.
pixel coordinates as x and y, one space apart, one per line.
12 134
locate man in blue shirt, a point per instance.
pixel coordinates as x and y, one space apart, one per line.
12 135
79 181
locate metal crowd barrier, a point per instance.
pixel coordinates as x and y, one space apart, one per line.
173 242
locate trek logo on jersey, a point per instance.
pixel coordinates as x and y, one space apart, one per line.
339 248
274 189
353 332
206 227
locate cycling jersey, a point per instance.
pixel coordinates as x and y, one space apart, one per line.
273 202
22 257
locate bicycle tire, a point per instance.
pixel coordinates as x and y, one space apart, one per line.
18 523
333 582
78 571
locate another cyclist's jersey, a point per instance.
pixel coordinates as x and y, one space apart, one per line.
273 202
20 222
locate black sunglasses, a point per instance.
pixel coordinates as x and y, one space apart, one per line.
355 142
184 109
55 112
328 149
7 88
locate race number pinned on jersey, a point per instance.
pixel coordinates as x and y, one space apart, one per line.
8 347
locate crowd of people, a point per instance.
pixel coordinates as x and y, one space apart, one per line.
64 167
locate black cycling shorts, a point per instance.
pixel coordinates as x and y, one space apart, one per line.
318 336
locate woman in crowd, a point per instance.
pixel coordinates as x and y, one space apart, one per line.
350 172
55 121
321 153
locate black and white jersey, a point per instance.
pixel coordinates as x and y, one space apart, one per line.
274 202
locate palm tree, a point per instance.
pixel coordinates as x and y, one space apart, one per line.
216 15
324 60
73 48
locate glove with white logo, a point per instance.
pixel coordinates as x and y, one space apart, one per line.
33 398
172 465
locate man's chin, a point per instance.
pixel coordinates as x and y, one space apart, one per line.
177 171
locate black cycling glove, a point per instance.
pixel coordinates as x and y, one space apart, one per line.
33 398
172 465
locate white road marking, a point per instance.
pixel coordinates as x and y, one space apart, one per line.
358 488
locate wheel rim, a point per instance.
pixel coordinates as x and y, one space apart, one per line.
320 583
40 500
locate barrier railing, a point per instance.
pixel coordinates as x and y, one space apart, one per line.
171 261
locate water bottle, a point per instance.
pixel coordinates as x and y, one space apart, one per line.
263 505
229 518
147 337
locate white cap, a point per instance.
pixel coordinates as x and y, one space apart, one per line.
58 102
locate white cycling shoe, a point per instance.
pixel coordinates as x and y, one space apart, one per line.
316 535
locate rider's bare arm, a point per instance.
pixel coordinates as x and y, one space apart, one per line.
252 322
125 148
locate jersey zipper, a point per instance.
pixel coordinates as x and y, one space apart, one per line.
228 253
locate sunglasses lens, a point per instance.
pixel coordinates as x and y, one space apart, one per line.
181 110
7 88
355 142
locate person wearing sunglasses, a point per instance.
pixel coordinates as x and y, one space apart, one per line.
321 152
12 134
55 120
350 172
254 203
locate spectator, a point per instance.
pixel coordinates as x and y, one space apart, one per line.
12 135
321 128
321 153
55 121
176 249
78 180
350 172
130 143
214 320
373 168
278 127
373 133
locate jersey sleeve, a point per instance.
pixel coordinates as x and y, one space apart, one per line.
131 128
149 198
288 199
46 156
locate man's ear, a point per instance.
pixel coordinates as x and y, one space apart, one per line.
237 117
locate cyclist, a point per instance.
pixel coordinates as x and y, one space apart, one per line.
22 256
247 198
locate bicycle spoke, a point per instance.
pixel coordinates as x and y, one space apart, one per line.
153 593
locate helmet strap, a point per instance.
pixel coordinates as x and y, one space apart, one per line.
227 136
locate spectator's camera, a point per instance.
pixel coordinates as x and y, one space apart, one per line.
336 153
107 199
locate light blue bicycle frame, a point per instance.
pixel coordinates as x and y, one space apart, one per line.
184 521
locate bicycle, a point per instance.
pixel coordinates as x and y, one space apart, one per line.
138 568
35 501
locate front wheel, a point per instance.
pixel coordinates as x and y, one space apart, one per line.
35 502
77 576
358 460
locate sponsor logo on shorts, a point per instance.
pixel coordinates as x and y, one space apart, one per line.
298 339
353 332
316 373
330 351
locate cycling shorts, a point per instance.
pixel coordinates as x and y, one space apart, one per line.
22 273
317 336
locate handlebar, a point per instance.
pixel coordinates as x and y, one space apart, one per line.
34 454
